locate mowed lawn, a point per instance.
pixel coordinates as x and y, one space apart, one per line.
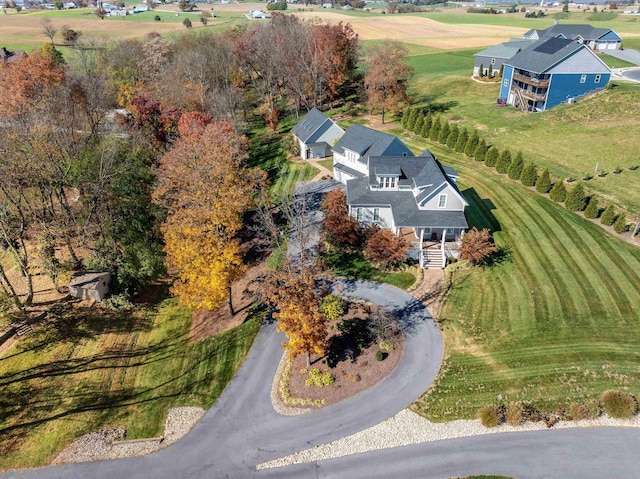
558 320
84 370
571 140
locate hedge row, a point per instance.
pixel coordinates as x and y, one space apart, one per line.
616 404
423 122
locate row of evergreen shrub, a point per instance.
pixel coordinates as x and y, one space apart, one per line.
616 404
423 122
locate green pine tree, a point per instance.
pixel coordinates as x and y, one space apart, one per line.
435 129
543 185
453 137
516 167
411 122
504 160
417 128
481 150
405 117
472 142
426 127
575 200
501 70
592 209
620 225
558 192
481 71
461 142
608 216
490 72
491 157
529 175
444 132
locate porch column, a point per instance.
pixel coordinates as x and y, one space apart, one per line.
421 241
444 255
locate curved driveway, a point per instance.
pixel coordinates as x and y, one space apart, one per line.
242 429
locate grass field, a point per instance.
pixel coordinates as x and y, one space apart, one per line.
81 371
557 320
571 140
357 267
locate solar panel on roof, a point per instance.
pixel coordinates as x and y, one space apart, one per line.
552 45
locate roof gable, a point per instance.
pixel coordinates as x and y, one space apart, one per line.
544 54
368 143
309 124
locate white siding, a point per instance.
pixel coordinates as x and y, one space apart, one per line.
367 212
454 203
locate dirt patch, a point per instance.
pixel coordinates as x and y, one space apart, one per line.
206 324
354 369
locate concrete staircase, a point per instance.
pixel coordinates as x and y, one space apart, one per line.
432 259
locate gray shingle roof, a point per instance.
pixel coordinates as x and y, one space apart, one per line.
347 170
505 50
423 171
309 124
544 53
367 143
587 32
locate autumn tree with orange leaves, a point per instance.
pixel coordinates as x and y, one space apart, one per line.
386 249
386 77
340 229
205 186
295 295
476 245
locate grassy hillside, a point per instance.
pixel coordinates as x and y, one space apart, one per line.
571 140
85 369
558 320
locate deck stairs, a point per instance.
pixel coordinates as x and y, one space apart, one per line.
432 259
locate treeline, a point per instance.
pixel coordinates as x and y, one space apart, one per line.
422 122
87 186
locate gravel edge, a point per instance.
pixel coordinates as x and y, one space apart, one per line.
407 428
276 402
100 446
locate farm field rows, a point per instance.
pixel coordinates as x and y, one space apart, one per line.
557 321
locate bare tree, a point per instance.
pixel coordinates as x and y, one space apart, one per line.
48 29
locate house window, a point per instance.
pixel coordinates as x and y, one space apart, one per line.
583 78
442 201
597 79
493 61
506 82
387 182
376 214
359 214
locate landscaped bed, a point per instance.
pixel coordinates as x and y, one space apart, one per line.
355 360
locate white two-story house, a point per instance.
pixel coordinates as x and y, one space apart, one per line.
413 196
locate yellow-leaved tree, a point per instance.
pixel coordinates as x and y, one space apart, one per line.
206 186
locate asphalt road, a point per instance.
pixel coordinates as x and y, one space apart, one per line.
242 429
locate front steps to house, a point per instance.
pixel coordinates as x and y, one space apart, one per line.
432 259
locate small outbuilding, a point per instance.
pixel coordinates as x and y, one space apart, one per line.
316 134
90 285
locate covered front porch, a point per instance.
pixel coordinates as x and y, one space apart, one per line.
432 246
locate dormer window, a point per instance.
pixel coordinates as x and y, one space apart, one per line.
388 182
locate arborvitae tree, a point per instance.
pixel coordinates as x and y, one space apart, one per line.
426 127
405 117
435 129
620 225
453 137
444 132
481 150
516 167
472 142
463 136
481 71
575 200
558 192
543 184
529 175
417 128
490 72
411 121
491 157
608 216
592 209
504 161
501 70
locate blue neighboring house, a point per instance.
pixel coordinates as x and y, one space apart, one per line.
551 71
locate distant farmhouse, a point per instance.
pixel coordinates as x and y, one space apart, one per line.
316 134
413 196
550 67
